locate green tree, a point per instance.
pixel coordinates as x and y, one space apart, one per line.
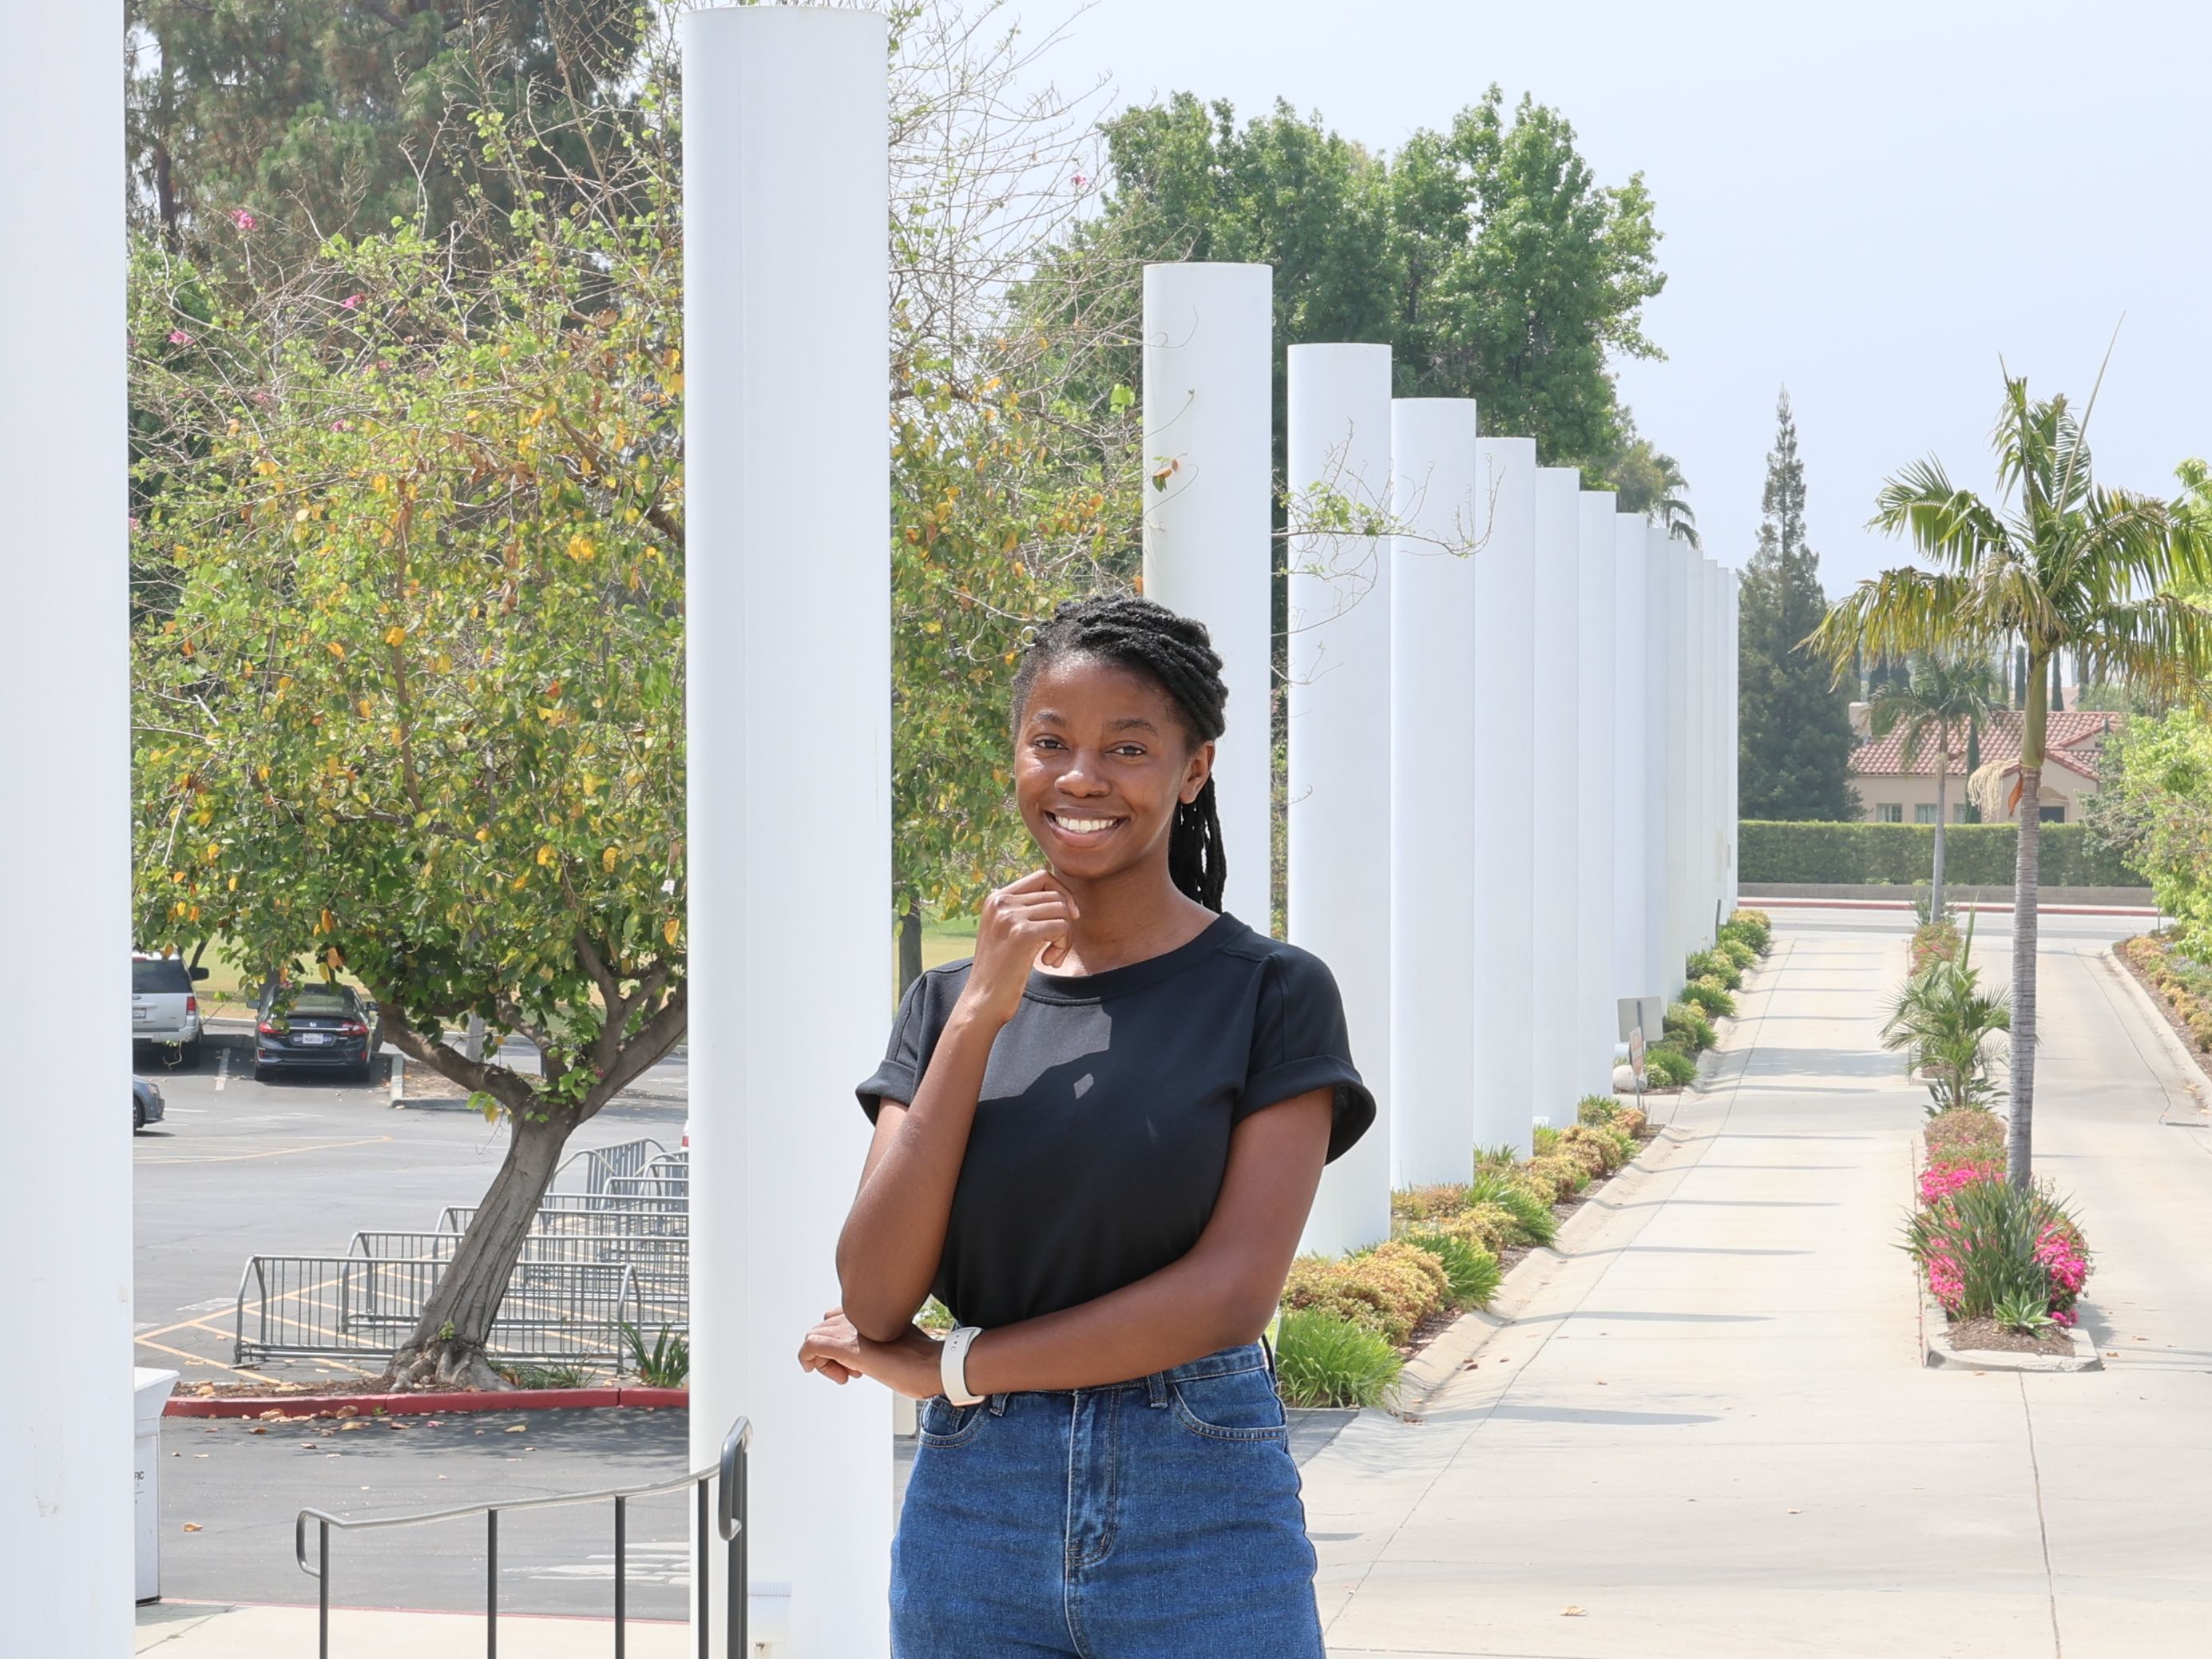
1487 256
409 677
2058 563
1941 694
1793 718
317 118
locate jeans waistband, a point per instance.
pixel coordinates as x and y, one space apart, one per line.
1244 1357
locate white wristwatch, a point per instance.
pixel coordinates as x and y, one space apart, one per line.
952 1365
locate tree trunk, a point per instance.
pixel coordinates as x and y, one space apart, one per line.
2020 1142
1943 797
910 946
447 1348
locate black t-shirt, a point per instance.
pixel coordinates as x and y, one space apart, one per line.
1101 1129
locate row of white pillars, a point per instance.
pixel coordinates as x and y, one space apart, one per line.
65 1454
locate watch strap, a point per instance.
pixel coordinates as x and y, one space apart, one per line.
952 1365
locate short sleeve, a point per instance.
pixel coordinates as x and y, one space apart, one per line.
900 1074
1299 1043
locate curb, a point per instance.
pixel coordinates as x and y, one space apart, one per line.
1937 1354
2191 1069
298 1407
1978 907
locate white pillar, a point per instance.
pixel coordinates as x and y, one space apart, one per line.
1732 737
786 197
1662 746
1435 941
1711 845
1502 757
1209 390
1549 790
1682 769
1631 752
1594 809
66 1452
1697 906
1338 889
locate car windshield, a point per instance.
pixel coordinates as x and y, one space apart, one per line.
323 999
166 975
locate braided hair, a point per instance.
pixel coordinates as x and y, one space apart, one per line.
1176 654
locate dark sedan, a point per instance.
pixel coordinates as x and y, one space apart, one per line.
319 1027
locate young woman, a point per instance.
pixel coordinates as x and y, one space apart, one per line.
1097 1144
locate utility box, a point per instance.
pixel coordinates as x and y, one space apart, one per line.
149 1392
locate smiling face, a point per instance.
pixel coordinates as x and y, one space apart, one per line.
1102 759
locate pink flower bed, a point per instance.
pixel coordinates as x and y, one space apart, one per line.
1964 1146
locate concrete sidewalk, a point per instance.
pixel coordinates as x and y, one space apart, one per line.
207 1630
1707 1431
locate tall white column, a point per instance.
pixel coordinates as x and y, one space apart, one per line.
1595 811
1682 772
1733 736
1663 745
1711 846
1549 790
1209 391
1339 888
1501 756
1698 913
65 1486
786 197
1631 753
1435 941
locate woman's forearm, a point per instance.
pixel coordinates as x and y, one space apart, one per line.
1189 1309
894 1237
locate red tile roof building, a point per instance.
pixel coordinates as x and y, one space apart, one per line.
1895 788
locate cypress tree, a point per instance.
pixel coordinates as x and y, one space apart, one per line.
1793 719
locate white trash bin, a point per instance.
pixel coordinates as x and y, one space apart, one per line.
149 1392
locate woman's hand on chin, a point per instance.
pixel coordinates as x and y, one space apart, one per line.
908 1365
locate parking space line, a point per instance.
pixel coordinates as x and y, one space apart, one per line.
281 1151
197 1359
222 1068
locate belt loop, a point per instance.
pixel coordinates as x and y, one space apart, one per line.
1156 1389
996 1405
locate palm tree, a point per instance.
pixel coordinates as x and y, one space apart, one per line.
2057 563
1944 692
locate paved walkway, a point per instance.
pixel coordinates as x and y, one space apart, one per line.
1707 1431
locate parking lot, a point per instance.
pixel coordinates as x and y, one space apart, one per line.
297 1164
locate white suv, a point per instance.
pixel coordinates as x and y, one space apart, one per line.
163 1007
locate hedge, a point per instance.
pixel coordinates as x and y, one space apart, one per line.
1898 854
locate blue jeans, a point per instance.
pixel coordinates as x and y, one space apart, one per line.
1158 1519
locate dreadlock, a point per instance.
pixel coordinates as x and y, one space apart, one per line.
1177 654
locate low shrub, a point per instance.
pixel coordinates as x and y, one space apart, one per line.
1489 1227
1424 1203
1686 1022
1324 1359
1545 1141
1737 951
1565 1176
1964 1131
1470 1269
1382 1289
1669 1066
1597 1109
1587 1153
1712 964
1933 941
1631 1121
1710 997
1587 1141
1751 927
1988 1242
1510 1191
1898 854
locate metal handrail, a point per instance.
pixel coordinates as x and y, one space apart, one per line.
728 1523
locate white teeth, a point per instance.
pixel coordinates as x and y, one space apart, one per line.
1082 826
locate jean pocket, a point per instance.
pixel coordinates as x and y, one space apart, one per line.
941 1423
1240 1406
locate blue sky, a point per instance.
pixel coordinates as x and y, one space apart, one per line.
1870 202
